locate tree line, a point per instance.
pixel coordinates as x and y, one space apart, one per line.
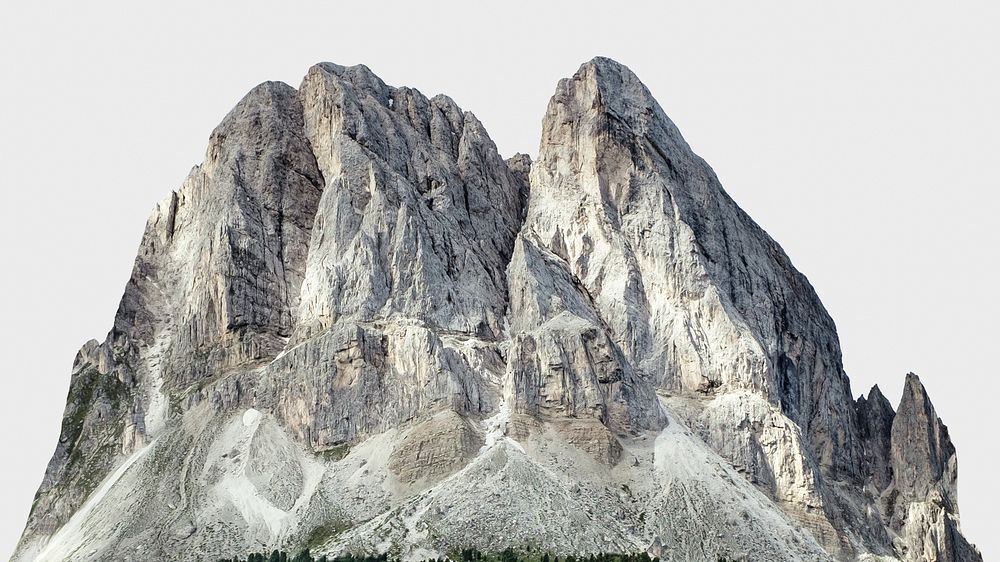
465 555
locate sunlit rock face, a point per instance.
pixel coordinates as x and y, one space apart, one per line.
357 328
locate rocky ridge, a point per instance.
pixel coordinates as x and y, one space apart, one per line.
356 327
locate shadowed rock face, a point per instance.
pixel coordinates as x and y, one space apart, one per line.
356 327
875 417
910 465
641 242
419 213
923 500
923 458
221 264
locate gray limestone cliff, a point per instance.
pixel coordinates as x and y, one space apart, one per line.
357 328
922 502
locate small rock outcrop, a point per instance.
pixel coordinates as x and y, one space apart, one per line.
875 417
922 504
357 328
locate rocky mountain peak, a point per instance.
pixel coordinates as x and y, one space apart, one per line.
610 99
356 327
361 78
875 419
923 455
921 505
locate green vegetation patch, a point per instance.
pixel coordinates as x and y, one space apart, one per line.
87 386
335 453
325 532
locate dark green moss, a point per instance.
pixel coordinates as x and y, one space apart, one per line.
335 453
325 532
89 386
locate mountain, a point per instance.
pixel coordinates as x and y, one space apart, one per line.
357 328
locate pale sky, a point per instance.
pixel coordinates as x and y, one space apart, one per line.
863 136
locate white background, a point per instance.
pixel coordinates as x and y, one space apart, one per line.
863 136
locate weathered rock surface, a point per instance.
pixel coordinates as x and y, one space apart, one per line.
356 327
875 417
922 503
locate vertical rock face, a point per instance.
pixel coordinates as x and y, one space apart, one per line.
923 502
404 286
700 298
356 327
217 279
420 211
923 458
214 285
875 417
697 298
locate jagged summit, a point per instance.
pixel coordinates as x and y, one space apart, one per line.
356 327
924 457
612 88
